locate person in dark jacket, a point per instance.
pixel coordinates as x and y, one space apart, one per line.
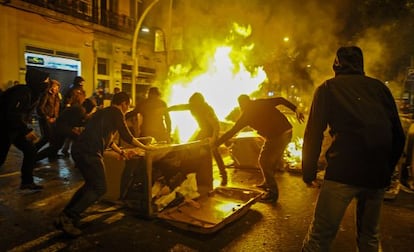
208 124
263 116
156 121
16 107
68 127
367 142
48 112
72 95
87 152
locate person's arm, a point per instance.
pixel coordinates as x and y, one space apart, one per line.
312 141
167 120
179 107
240 124
17 108
128 154
41 106
126 134
398 136
282 101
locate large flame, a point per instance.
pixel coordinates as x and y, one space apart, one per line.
225 78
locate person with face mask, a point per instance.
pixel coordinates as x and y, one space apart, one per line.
16 107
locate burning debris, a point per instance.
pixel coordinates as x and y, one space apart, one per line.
293 155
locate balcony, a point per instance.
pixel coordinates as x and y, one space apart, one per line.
86 11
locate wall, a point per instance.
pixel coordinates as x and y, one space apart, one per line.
19 29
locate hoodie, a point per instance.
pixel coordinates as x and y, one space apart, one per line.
18 102
363 121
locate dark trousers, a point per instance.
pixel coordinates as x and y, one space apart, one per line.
271 156
92 169
46 130
25 146
56 142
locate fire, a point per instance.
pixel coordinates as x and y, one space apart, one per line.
293 153
225 78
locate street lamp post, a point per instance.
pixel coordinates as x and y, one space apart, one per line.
135 70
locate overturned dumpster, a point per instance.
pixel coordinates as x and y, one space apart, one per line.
175 183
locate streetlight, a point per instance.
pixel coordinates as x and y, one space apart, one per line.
134 49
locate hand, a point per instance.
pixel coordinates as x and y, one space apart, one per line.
77 130
300 117
32 137
128 154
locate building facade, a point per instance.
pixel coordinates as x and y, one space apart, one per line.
91 38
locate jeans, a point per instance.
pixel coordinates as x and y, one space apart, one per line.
332 203
92 169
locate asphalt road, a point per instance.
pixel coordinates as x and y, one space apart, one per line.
26 218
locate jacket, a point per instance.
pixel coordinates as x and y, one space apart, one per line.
18 102
362 118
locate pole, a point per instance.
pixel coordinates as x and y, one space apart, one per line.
135 70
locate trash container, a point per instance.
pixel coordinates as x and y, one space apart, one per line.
132 181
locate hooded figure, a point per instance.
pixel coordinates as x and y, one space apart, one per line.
73 95
16 106
367 142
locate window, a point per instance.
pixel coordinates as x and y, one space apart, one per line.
103 66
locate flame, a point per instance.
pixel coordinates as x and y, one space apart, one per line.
293 153
225 78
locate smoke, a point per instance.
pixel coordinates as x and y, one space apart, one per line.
315 30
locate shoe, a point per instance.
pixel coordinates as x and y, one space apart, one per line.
32 187
64 223
269 197
407 186
64 154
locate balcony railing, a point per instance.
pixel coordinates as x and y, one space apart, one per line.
85 10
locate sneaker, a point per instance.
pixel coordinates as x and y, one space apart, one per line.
269 197
32 187
64 223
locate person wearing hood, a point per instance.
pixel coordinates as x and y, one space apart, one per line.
76 90
208 124
263 116
16 106
367 142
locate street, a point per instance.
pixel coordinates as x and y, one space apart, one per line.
26 219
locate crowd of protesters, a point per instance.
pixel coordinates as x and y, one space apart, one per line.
359 111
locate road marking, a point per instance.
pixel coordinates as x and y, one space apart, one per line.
28 246
54 198
55 247
18 172
9 174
